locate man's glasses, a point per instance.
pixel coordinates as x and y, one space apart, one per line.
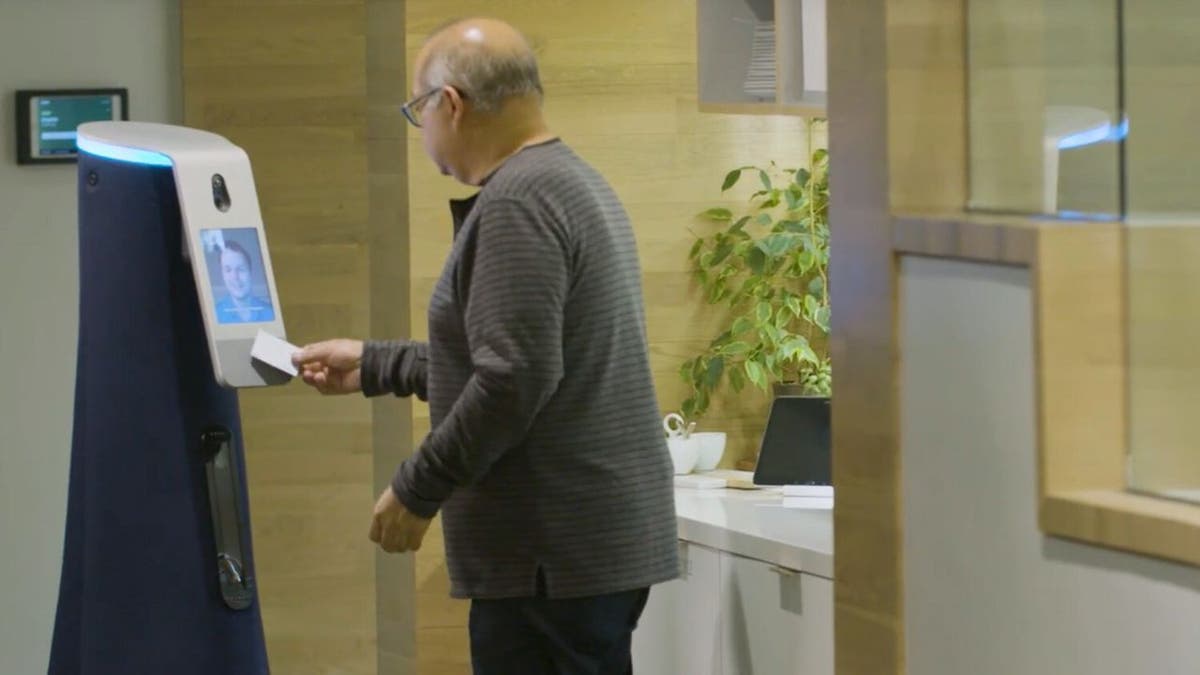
412 110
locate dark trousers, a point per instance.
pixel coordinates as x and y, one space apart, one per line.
544 636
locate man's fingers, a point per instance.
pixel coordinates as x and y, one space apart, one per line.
393 539
376 532
318 378
317 352
414 541
340 353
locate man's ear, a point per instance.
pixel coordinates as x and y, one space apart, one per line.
457 106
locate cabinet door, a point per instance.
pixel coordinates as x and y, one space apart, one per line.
776 621
680 630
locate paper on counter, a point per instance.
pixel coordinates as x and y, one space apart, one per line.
815 503
274 352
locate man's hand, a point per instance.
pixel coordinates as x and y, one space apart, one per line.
394 528
332 366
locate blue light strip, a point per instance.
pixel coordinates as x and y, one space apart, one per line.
1104 133
121 153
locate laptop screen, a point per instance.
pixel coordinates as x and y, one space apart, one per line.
795 447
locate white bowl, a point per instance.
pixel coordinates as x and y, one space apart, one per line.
684 452
712 448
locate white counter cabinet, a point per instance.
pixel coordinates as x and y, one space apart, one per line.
755 596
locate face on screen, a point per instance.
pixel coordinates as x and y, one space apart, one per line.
235 271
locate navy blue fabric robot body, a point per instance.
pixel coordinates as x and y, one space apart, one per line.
139 591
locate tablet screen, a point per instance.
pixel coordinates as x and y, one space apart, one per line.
240 291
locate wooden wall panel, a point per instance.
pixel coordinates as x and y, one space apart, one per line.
1161 60
388 227
620 82
867 570
1163 315
288 83
1007 100
1080 350
897 132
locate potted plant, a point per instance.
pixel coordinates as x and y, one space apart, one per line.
768 266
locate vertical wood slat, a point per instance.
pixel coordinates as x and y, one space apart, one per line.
868 630
288 83
897 143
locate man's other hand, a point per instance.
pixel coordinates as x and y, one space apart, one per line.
394 527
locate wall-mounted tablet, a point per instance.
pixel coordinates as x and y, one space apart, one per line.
47 120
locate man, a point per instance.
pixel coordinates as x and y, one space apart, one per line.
240 305
546 458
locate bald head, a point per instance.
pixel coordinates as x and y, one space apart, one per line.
488 60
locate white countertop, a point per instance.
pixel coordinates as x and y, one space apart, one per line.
755 524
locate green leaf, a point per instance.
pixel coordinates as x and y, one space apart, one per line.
696 248
778 244
764 219
805 260
751 282
803 176
820 155
718 214
796 226
821 318
721 253
731 179
715 293
741 222
685 371
688 407
782 318
763 312
793 304
754 373
720 339
741 325
715 367
806 353
736 379
756 260
816 286
735 349
794 344
770 334
766 180
811 304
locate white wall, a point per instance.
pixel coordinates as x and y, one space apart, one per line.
986 593
52 44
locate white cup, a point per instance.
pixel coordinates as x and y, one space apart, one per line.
684 452
712 448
